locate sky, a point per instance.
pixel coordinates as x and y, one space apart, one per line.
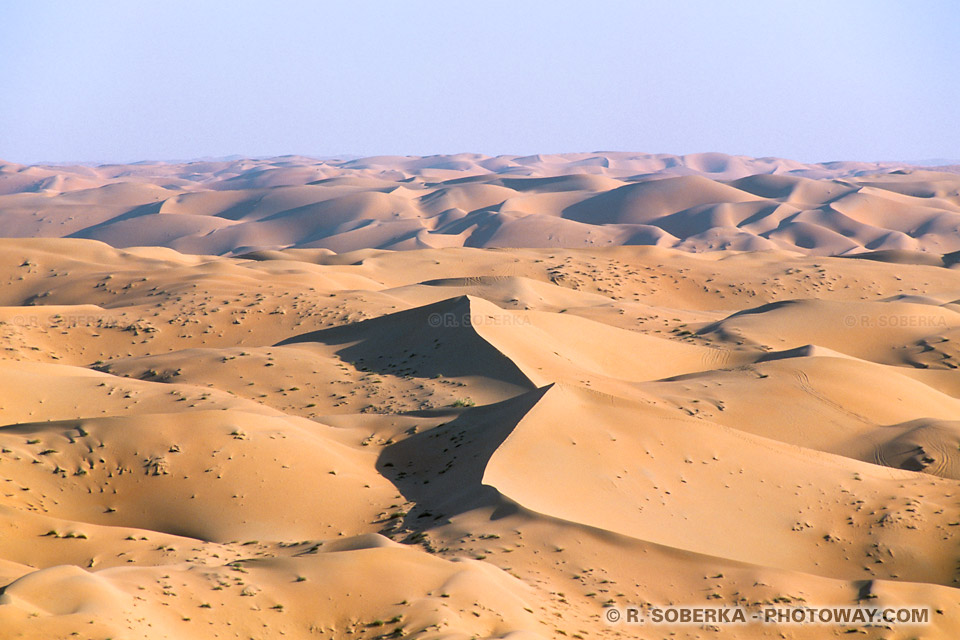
121 81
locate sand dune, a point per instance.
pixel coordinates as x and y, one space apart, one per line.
698 202
470 397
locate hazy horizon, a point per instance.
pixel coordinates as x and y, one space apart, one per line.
920 162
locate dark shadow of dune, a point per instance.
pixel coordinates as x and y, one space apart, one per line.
441 470
435 340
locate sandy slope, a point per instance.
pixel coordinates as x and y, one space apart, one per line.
465 442
696 202
474 397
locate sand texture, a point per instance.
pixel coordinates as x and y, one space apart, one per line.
470 397
698 202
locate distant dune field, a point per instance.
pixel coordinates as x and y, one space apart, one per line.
699 202
470 397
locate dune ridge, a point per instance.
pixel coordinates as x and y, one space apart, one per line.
697 202
416 398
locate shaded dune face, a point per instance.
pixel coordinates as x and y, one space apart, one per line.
698 202
371 417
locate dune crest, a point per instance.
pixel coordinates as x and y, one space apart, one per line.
468 397
697 202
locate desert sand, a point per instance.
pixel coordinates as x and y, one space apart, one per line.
472 397
699 202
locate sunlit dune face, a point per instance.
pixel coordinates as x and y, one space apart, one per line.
318 400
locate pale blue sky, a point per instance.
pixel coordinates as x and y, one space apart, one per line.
99 80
